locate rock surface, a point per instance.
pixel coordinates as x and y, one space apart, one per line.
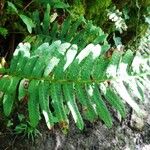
95 137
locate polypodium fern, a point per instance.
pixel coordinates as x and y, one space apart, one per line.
80 32
58 78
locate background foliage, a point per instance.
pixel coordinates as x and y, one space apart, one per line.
134 14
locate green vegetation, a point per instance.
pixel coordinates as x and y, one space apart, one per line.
66 64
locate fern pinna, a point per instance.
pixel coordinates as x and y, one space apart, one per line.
73 77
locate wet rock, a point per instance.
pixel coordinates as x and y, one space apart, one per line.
146 147
137 122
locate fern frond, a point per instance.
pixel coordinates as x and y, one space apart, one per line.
80 32
70 73
58 78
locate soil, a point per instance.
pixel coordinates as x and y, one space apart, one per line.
95 137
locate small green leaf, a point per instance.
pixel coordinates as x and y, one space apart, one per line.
28 22
60 4
12 7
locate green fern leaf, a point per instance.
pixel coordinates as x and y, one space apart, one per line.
123 93
27 70
8 101
57 102
46 21
65 28
33 103
44 103
100 106
115 101
5 82
88 110
68 90
73 29
53 32
36 18
99 68
28 22
9 98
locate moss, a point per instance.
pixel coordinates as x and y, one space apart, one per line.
77 9
92 10
97 8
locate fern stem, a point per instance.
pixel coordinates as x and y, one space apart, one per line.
65 81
